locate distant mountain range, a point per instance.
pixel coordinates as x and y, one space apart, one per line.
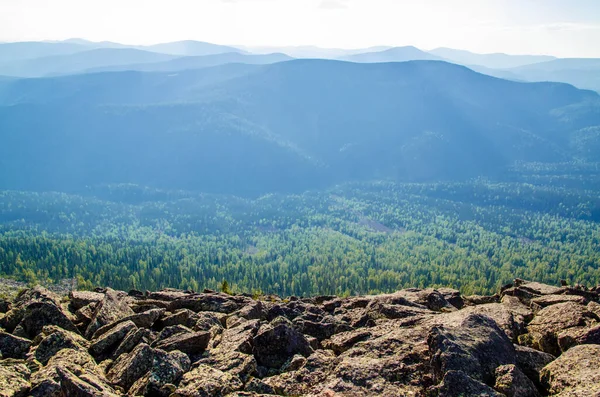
396 54
198 62
492 61
37 59
80 62
287 126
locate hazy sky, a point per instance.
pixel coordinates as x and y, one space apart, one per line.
569 28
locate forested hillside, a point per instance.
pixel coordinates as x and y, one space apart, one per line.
354 238
290 126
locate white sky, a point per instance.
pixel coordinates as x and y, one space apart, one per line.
568 28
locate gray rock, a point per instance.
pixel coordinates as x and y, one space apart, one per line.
128 368
459 384
575 373
189 343
477 347
54 339
111 339
12 346
532 361
111 308
14 378
276 343
513 383
205 381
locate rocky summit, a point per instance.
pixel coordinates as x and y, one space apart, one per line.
528 340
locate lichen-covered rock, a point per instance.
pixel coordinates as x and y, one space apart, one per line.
13 346
130 367
277 342
110 309
543 330
85 386
511 382
575 373
14 378
579 336
53 339
205 381
167 369
221 303
143 320
33 310
79 299
532 361
111 339
459 384
413 342
189 343
46 382
477 347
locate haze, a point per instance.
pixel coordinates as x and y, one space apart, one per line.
554 27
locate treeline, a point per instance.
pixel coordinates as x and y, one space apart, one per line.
356 238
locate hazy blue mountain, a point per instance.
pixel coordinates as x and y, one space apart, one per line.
186 63
190 48
79 62
96 44
128 87
396 54
289 126
582 73
313 52
10 52
494 61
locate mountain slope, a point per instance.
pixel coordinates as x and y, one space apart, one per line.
190 48
287 126
396 54
79 62
494 61
10 52
187 63
581 72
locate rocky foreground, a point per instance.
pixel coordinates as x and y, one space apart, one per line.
530 340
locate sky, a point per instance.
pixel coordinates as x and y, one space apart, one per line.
565 28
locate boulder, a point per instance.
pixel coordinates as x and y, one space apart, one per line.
543 330
277 342
167 368
13 346
111 308
143 320
221 303
46 382
128 368
532 361
111 339
344 341
130 341
86 386
205 381
79 299
476 347
579 336
184 317
14 378
54 339
457 383
511 382
575 373
34 316
168 332
189 343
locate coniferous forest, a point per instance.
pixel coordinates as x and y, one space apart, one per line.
541 222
